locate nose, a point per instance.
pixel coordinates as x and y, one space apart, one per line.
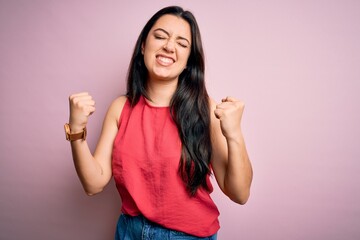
169 46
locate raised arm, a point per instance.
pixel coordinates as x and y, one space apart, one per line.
230 161
94 170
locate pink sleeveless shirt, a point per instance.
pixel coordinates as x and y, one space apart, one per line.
145 163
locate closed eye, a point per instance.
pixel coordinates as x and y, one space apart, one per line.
162 34
184 45
159 37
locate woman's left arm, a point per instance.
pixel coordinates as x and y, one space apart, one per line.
230 160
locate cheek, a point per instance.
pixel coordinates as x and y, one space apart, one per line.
150 51
152 46
147 60
185 56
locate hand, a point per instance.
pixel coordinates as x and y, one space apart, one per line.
81 107
229 112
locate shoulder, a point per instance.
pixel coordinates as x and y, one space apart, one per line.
214 121
212 108
119 102
212 104
116 107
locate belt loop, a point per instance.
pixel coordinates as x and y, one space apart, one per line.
146 229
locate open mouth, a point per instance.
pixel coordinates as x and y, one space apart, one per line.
166 61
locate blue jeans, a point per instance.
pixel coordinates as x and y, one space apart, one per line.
139 228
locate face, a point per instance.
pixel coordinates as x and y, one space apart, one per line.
167 48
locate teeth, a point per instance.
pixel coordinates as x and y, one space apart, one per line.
166 60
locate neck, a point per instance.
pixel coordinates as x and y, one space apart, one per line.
161 92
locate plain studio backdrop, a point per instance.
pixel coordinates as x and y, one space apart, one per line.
295 64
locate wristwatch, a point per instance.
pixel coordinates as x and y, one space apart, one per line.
74 136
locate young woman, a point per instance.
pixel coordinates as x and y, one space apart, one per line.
163 140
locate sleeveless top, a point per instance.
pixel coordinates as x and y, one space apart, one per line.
145 161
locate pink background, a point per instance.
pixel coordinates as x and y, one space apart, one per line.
296 64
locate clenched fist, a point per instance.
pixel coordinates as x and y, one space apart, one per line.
82 106
229 112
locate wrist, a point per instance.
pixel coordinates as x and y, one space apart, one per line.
235 137
75 130
76 133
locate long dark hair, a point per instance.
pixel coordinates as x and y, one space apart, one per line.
189 105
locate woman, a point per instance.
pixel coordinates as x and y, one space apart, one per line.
164 138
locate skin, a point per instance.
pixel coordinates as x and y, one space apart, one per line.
166 51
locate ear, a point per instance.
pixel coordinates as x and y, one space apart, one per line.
142 48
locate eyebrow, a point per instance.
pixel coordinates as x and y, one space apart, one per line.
167 33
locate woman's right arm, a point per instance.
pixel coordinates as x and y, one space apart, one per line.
94 170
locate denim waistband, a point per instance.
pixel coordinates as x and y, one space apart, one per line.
140 228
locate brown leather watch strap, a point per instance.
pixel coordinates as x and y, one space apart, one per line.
74 136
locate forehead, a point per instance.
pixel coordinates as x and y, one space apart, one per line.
174 25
